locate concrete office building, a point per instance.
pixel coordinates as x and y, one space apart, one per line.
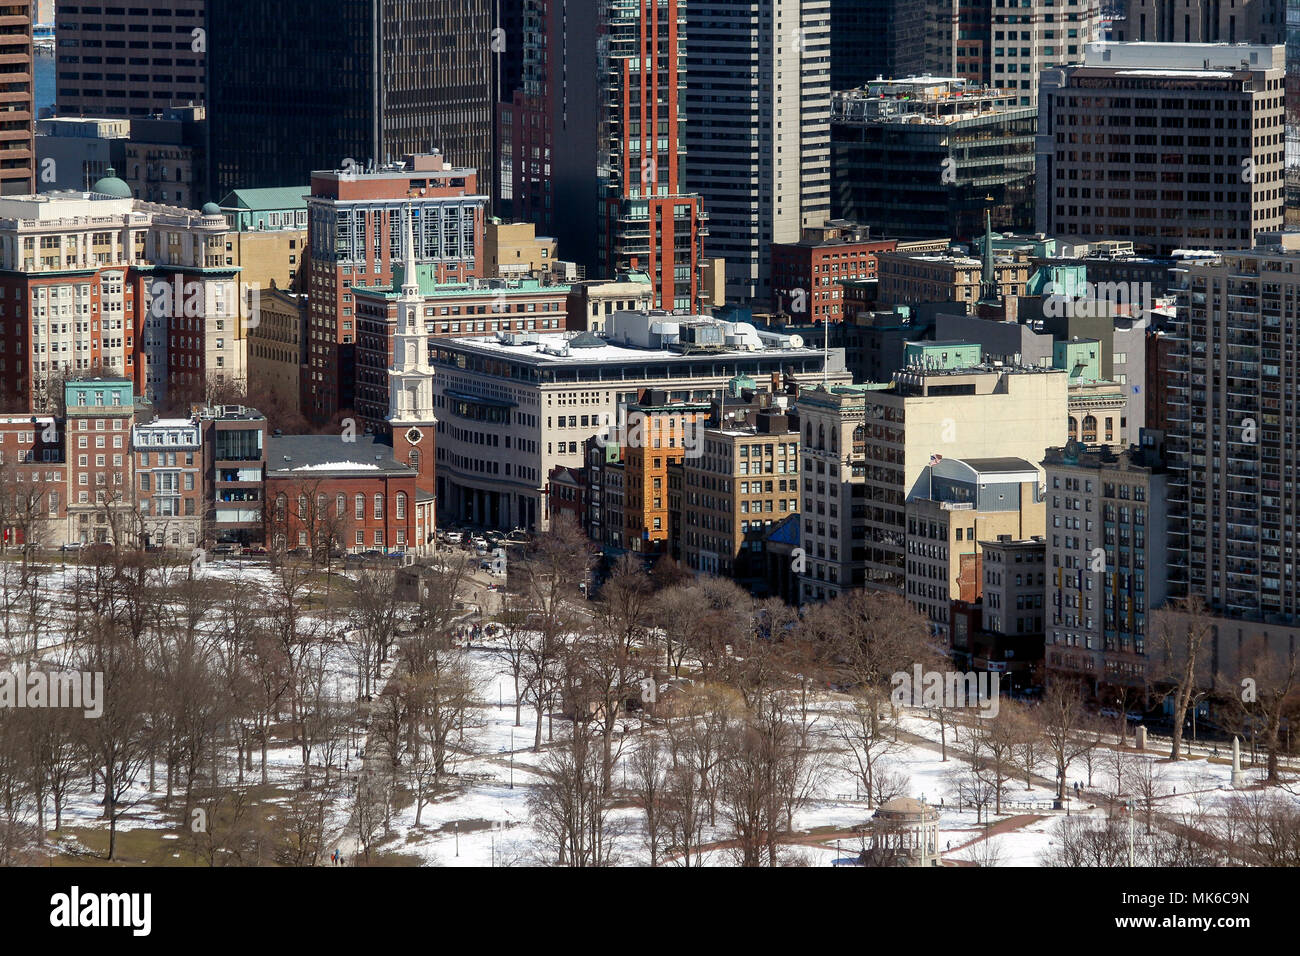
1233 433
1008 45
1194 150
964 502
129 61
510 408
1203 21
1106 539
907 278
591 303
866 449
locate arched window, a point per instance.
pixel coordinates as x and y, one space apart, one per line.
1089 428
302 505
414 458
281 502
360 507
401 504
379 506
340 505
1074 429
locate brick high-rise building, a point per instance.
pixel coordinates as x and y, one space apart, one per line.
355 222
596 134
130 61
808 275
17 102
646 218
98 417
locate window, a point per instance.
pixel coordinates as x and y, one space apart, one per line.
360 508
401 504
379 506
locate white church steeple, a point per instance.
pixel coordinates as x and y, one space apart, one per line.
410 380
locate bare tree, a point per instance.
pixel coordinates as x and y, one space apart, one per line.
650 786
568 809
868 735
1181 633
1063 721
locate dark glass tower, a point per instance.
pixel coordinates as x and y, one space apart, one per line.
297 85
875 38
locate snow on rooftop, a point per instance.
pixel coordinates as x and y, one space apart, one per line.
339 466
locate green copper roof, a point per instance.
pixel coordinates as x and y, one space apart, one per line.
275 197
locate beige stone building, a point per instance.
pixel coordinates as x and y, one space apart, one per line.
866 450
965 502
275 346
745 482
513 249
590 304
908 278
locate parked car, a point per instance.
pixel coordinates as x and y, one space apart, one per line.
225 548
452 537
255 549
72 546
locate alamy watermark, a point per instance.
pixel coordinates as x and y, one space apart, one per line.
946 689
76 690
654 431
1098 299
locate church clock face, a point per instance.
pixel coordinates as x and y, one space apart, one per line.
413 435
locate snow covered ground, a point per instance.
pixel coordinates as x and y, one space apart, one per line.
484 818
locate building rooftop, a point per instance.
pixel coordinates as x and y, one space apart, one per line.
1182 59
271 197
323 455
430 288
562 349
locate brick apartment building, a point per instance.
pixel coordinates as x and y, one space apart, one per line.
808 276
355 225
